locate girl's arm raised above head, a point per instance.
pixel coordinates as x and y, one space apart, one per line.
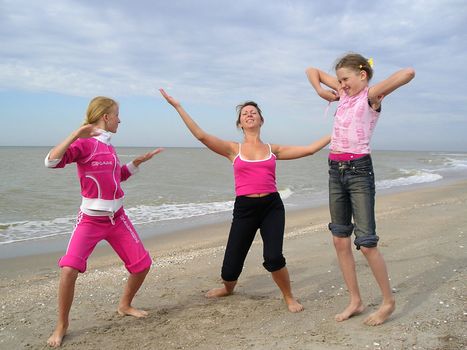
294 152
317 77
224 148
385 87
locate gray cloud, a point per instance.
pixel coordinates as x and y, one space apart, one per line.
216 52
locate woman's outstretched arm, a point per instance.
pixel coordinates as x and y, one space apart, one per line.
227 149
294 152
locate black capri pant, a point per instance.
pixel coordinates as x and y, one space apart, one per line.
250 214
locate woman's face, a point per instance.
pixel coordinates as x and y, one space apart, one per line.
250 117
111 119
351 81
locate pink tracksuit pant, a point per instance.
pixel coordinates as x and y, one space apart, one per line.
120 234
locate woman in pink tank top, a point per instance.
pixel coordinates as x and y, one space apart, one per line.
257 203
351 176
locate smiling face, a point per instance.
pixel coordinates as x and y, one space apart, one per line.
249 116
352 81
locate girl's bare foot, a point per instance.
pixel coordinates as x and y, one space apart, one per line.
381 315
350 310
131 311
293 305
55 340
217 292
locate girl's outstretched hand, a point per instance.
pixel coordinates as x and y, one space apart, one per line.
169 98
145 157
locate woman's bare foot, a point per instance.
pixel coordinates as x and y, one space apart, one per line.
55 340
381 315
293 305
131 311
350 310
217 293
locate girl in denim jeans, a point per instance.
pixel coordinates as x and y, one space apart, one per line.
351 177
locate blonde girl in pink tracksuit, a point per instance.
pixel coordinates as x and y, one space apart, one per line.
101 214
351 175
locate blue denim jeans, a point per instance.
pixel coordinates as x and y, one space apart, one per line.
352 194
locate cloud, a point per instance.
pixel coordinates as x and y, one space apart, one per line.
218 52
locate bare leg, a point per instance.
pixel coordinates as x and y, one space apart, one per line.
134 283
378 267
66 292
224 291
282 279
346 259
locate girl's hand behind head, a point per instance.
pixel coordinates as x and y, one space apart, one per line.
87 131
329 95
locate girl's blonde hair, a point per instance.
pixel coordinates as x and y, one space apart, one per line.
355 62
98 106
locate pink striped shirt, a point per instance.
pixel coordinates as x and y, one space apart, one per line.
354 124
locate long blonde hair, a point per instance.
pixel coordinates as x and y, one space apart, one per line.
98 106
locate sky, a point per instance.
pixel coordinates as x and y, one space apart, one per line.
213 55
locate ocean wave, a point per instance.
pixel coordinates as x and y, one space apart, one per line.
142 214
139 215
414 177
286 193
19 231
456 163
145 214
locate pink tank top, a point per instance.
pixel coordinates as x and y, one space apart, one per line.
254 176
354 124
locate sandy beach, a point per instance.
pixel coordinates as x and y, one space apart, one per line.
422 236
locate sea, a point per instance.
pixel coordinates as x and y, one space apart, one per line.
180 188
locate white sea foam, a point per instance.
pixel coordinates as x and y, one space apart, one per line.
285 193
139 215
456 163
417 177
144 214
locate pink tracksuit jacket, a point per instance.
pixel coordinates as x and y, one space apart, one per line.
99 172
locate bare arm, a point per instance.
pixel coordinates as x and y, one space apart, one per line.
317 77
385 87
224 148
84 131
294 152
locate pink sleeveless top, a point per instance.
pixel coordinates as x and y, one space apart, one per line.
254 176
354 123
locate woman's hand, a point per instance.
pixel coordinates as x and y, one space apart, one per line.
145 157
170 99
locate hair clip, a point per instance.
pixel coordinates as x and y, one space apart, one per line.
370 62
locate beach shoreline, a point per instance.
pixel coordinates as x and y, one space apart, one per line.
422 234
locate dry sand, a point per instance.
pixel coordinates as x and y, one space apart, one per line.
422 236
